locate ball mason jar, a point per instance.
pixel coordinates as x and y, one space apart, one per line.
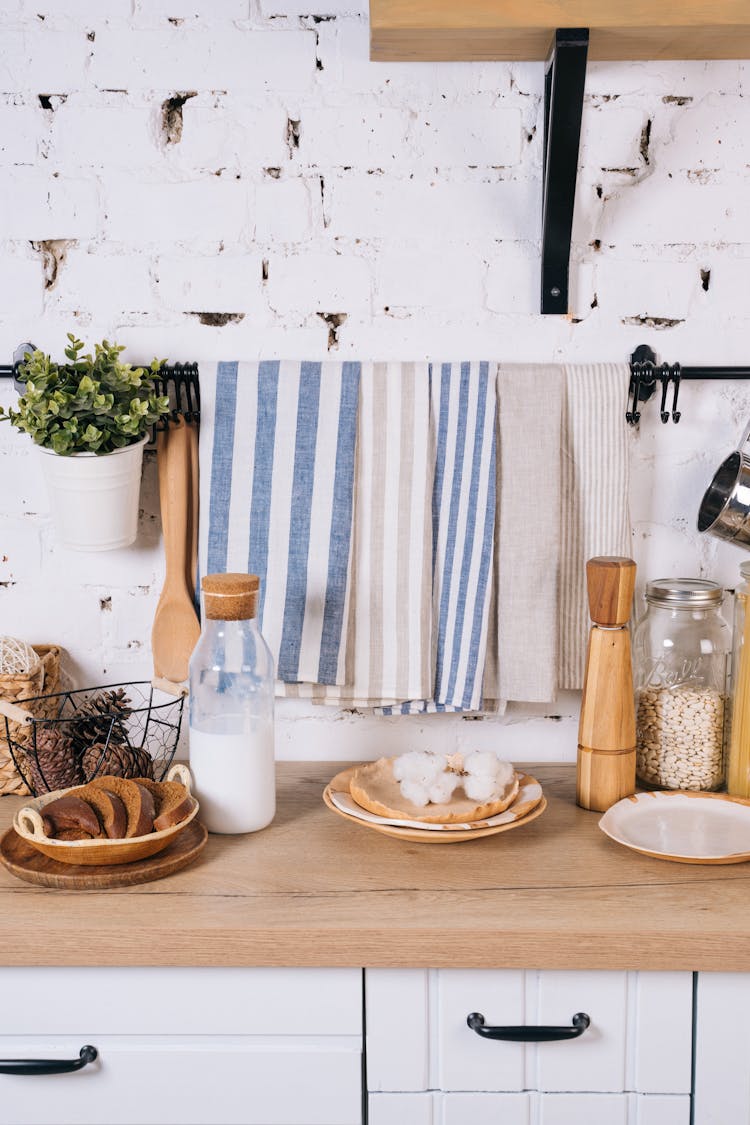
680 662
738 741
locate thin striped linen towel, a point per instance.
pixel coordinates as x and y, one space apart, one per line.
277 479
389 626
463 414
562 498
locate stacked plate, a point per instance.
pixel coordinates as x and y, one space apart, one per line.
528 804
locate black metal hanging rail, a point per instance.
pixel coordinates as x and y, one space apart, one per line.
646 374
179 381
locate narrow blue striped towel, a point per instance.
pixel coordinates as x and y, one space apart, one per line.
277 478
463 413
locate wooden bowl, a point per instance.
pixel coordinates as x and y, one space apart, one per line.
28 824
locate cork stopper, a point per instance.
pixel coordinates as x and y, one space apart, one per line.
230 597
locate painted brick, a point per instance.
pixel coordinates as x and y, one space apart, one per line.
513 281
102 283
360 136
710 135
35 205
321 282
43 61
675 210
468 135
284 209
185 58
191 9
21 287
20 550
236 137
140 213
110 137
451 280
318 7
639 287
428 210
76 10
22 129
227 283
611 136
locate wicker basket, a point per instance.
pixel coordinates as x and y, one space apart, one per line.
14 689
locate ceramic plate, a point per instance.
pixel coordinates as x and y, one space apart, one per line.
528 805
683 827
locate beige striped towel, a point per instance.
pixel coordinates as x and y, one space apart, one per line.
389 630
562 498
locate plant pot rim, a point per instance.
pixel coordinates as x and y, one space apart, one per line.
112 452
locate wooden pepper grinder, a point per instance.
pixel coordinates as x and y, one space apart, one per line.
606 733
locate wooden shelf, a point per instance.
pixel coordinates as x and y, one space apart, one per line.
442 30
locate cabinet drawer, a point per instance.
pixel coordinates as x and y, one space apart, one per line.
640 1036
158 1001
141 1080
523 1109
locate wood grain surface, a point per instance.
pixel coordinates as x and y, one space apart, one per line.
315 890
515 29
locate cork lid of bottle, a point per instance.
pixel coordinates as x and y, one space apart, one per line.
230 597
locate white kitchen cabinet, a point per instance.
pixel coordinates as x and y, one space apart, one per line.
722 1049
184 1046
639 1041
529 1109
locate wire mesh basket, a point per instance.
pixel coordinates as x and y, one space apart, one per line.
129 730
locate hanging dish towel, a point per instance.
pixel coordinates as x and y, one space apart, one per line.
463 415
562 498
389 634
595 489
277 479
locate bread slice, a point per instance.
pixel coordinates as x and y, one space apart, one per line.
109 807
173 802
138 802
375 788
70 812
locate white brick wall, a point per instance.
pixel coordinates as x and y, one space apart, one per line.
406 196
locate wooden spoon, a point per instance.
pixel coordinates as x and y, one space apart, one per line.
176 629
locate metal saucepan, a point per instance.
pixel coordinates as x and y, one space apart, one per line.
725 507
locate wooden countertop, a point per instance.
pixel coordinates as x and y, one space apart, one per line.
315 889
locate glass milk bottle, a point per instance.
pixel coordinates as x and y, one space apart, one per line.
231 709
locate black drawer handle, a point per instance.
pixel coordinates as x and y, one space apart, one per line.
524 1034
49 1066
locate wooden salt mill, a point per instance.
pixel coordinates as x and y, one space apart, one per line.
606 733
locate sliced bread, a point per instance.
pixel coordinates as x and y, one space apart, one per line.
109 808
70 812
138 802
172 800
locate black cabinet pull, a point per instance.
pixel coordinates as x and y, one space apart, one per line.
49 1066
524 1034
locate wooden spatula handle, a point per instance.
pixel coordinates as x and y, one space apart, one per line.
611 581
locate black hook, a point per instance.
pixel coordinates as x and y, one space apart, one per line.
676 414
632 414
664 377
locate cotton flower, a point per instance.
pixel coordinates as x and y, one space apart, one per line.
419 766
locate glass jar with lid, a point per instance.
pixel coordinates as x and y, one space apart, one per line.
680 657
738 758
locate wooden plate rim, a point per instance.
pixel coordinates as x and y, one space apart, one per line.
635 798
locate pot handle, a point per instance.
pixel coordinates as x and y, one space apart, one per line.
15 713
31 821
744 439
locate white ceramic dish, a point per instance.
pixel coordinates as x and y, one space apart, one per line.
682 827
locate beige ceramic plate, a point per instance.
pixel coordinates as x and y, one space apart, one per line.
522 811
682 827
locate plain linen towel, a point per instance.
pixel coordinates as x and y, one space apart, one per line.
277 478
389 627
562 498
463 417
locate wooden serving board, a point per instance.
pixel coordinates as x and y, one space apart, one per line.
25 862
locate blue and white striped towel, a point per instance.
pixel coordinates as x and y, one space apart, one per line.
277 479
463 412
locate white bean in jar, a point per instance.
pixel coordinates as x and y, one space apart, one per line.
680 737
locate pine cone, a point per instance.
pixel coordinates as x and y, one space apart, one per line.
56 764
118 761
94 718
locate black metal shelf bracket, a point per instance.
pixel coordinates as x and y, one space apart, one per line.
564 80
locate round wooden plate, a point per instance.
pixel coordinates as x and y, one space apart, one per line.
340 784
25 862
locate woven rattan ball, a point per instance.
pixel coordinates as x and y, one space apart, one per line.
16 657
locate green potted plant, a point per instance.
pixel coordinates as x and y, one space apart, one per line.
89 418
